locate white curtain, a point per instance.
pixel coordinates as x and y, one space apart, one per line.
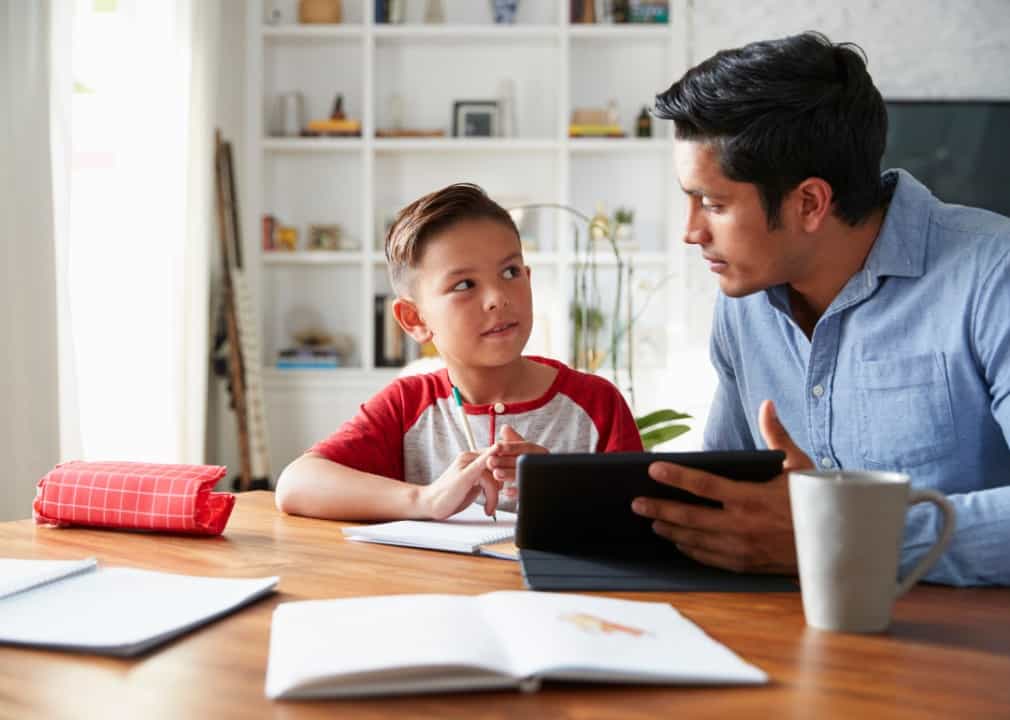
141 227
29 419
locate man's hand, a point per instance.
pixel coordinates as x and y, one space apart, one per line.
753 531
459 486
502 464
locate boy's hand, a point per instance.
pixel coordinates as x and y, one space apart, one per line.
459 486
502 464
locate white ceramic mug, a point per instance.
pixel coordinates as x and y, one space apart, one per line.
849 527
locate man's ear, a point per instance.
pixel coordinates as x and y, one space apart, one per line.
409 318
813 199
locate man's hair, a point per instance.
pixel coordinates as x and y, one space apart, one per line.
780 111
429 215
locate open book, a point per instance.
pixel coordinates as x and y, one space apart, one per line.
77 605
436 643
469 531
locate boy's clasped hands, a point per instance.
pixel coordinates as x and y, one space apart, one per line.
491 471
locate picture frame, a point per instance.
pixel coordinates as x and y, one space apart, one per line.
324 237
476 118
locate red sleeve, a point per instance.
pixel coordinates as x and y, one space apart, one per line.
618 431
371 441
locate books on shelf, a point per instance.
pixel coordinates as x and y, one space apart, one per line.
308 358
469 531
390 340
77 605
437 643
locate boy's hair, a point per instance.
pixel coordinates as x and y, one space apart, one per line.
780 111
429 215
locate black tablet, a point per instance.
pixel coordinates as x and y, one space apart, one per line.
581 502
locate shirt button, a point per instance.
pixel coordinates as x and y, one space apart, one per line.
817 390
826 462
499 408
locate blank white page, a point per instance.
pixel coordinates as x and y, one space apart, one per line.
121 611
19 575
464 532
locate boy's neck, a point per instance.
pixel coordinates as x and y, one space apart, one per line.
519 381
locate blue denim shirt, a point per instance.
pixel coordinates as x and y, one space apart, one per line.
907 370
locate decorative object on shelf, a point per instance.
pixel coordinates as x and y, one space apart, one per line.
594 122
286 238
504 11
620 11
396 11
507 108
337 125
320 11
313 347
649 11
643 126
434 11
324 237
380 12
269 225
475 118
289 114
624 234
275 16
582 11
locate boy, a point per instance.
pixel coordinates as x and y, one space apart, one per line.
456 265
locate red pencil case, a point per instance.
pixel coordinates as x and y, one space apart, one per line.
134 496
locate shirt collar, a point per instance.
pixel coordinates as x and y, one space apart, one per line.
900 247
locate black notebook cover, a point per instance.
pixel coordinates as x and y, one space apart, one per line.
576 530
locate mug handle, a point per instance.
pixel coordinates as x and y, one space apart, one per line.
938 499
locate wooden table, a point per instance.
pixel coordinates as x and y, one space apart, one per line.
947 653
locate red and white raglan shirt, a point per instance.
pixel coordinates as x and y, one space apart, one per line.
411 430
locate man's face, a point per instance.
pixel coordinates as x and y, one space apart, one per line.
473 293
727 221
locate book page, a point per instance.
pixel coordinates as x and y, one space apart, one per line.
579 637
19 575
464 532
121 611
370 645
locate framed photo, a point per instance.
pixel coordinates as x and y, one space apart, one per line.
475 118
324 237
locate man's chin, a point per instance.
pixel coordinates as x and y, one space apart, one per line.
737 289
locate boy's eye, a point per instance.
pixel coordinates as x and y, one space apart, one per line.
462 285
710 207
511 272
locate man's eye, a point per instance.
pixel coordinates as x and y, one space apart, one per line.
511 272
462 285
711 207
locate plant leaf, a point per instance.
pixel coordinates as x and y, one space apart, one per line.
661 435
654 418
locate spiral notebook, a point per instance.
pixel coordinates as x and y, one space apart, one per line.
469 531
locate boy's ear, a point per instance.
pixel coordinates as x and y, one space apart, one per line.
813 198
409 318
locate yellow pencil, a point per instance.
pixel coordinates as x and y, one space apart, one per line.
467 430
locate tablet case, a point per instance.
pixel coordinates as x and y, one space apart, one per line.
576 530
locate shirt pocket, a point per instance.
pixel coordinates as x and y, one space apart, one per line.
905 412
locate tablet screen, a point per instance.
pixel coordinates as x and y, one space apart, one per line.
583 501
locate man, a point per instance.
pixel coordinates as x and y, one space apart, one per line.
875 317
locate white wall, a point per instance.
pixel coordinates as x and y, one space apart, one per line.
916 48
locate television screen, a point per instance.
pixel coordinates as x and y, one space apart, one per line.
959 149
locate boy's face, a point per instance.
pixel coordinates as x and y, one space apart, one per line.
727 221
472 294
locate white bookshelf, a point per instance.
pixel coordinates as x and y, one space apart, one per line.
358 182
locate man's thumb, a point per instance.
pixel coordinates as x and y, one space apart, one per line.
777 437
508 434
